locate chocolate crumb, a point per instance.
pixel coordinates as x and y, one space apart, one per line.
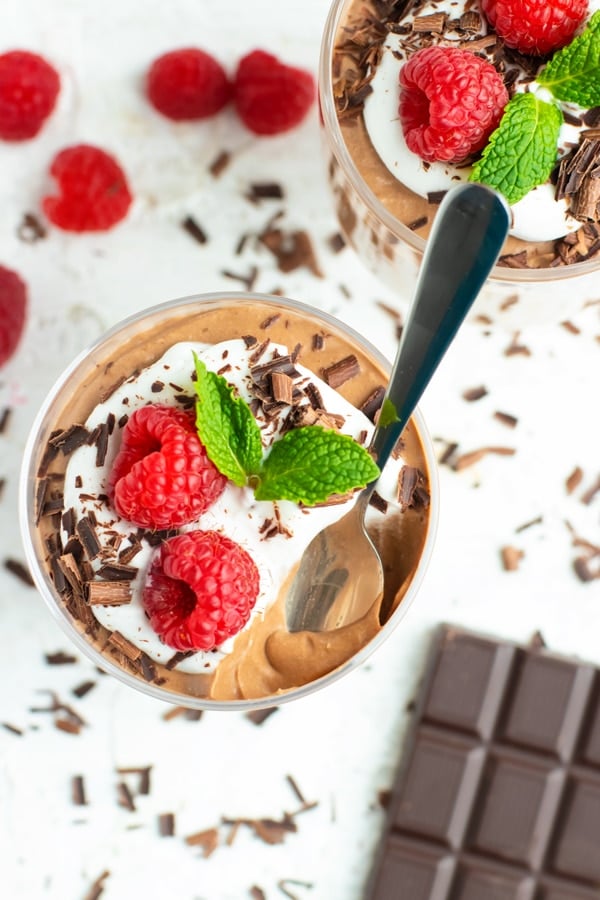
583 569
125 797
5 417
60 658
511 557
257 893
336 242
97 888
220 163
574 479
194 230
19 570
473 394
343 370
31 229
506 419
207 840
166 824
258 716
84 688
78 791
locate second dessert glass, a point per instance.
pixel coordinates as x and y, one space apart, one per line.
375 211
64 557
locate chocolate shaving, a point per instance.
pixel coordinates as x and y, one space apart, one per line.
281 386
248 280
220 163
78 791
378 502
292 250
511 557
12 728
60 658
84 688
143 772
71 439
124 646
474 456
117 572
258 716
473 394
195 231
5 417
412 488
207 840
536 521
579 178
371 406
431 24
125 797
265 190
506 419
97 888
88 537
108 593
31 229
591 492
166 824
19 570
343 370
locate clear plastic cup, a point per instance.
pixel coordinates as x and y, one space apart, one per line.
131 345
513 297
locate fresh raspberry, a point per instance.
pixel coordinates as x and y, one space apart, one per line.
271 97
450 102
13 309
93 190
200 590
187 84
29 87
535 27
162 477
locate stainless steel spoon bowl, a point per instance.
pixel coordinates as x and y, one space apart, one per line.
340 574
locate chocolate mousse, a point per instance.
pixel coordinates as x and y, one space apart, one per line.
90 563
372 34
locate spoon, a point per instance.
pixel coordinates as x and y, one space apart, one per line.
340 574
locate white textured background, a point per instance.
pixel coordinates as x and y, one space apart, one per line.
340 746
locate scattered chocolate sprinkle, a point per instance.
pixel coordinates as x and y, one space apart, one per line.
195 230
474 456
19 570
537 521
583 569
60 658
265 190
78 791
378 502
511 557
220 163
12 728
143 772
178 657
157 386
257 893
31 229
283 883
343 370
124 646
270 320
108 593
292 783
84 688
208 840
249 340
417 223
515 348
67 725
570 327
473 394
591 492
97 887
248 280
125 797
574 479
292 250
372 404
337 242
117 572
166 824
5 416
506 419
258 716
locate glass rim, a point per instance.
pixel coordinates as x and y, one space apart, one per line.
44 585
335 138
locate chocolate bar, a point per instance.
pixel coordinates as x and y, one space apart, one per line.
498 794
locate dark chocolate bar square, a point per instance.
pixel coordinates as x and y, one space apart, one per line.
498 796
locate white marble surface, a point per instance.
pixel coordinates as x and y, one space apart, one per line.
342 745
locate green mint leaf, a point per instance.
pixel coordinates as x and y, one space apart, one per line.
573 73
226 426
310 464
388 414
522 151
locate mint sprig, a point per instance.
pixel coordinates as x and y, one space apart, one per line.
307 465
226 426
573 73
521 152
